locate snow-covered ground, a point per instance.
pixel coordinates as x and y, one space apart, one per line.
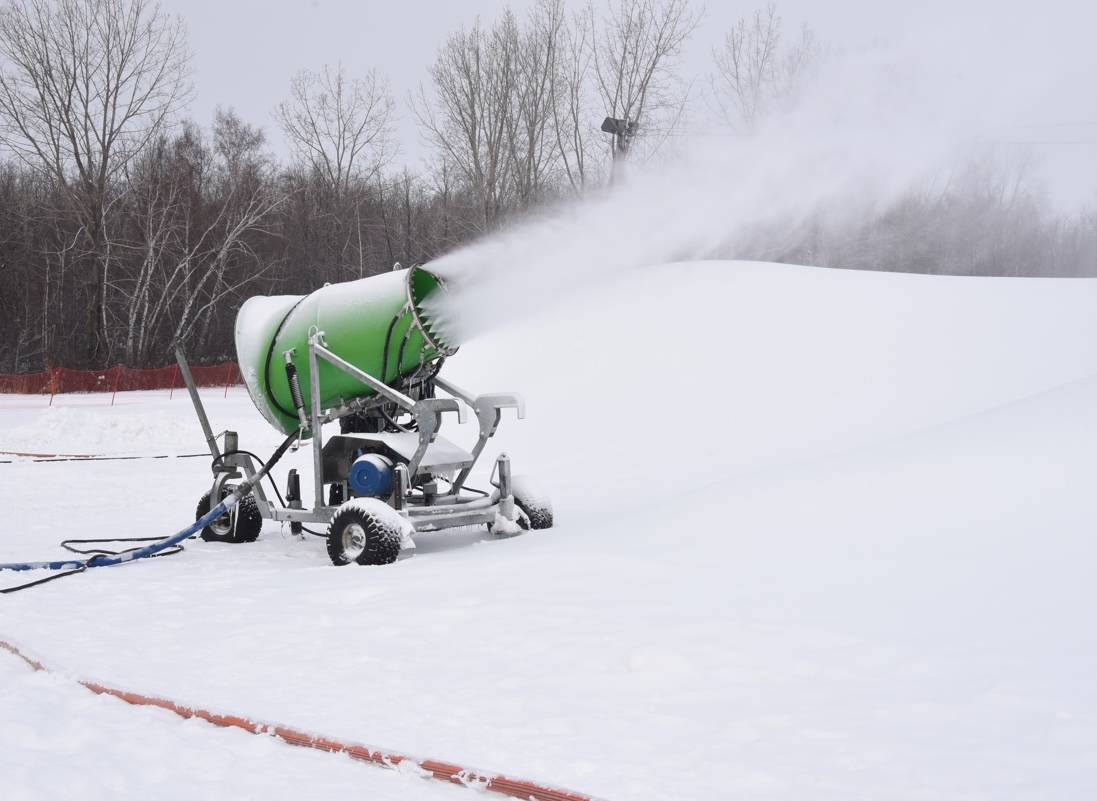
821 535
60 741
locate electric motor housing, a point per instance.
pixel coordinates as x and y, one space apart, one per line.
371 476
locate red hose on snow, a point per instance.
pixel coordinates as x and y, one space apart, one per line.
442 771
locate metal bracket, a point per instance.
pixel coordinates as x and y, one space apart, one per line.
428 416
427 412
489 413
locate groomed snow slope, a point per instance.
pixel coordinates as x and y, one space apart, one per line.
821 535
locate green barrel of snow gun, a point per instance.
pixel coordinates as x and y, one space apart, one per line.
378 324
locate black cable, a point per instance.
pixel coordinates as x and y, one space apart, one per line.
101 553
394 424
36 582
437 368
266 364
414 383
466 487
94 553
385 358
264 467
68 546
400 353
102 458
273 485
270 478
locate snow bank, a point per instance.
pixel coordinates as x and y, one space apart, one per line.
720 369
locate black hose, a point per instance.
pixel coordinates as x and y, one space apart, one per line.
68 546
466 487
400 353
270 478
385 357
104 458
273 486
244 487
393 424
51 577
266 364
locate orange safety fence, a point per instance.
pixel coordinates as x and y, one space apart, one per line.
59 380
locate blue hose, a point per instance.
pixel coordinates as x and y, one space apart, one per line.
149 550
109 560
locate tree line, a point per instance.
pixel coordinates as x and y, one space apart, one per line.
125 228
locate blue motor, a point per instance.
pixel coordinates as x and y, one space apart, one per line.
371 476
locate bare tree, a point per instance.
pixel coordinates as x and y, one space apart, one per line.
572 109
757 72
442 189
470 119
239 147
634 61
340 127
194 217
86 85
534 144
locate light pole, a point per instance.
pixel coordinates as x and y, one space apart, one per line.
623 131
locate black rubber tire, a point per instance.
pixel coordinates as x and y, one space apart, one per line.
382 539
540 517
538 510
248 521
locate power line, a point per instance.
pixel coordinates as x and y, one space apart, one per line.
1055 125
1044 141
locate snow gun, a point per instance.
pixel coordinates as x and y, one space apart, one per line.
367 354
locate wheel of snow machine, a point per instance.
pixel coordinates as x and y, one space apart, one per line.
357 535
537 508
534 511
241 524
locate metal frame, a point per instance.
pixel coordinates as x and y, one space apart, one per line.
426 513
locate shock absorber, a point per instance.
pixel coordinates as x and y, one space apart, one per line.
295 389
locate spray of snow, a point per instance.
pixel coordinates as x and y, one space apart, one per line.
874 124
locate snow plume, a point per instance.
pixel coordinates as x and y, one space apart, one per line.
873 125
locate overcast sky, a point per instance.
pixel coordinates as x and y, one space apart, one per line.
246 50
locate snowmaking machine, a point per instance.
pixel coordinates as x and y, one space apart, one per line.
367 354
